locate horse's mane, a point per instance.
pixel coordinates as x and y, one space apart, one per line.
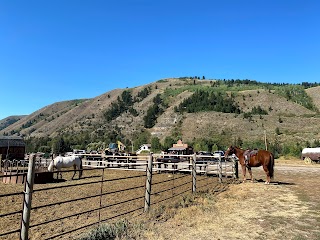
238 148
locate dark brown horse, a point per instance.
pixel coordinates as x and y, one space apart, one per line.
255 158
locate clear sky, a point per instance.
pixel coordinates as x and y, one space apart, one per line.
55 50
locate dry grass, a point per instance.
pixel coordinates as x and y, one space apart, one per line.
209 124
314 94
289 208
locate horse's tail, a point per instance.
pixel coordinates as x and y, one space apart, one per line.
271 166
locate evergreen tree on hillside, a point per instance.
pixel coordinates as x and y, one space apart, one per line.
124 103
154 111
143 94
208 101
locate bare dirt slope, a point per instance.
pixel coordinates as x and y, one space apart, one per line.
208 124
271 102
286 209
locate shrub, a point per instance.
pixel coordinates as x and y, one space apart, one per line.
108 231
258 110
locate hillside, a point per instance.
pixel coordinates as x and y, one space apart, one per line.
4 123
286 119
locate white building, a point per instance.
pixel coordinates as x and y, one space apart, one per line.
144 147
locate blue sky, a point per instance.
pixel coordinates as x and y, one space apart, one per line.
59 50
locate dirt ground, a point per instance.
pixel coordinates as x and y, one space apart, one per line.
289 208
86 211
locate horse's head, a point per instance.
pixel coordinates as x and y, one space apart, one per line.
231 150
51 165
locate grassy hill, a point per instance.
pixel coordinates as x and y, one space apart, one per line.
4 123
202 112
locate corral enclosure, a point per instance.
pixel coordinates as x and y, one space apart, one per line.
65 208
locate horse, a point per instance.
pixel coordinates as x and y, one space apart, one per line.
256 158
65 162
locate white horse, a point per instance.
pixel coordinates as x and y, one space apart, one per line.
65 162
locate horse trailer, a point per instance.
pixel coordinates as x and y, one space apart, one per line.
311 155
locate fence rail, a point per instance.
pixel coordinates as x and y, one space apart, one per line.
138 190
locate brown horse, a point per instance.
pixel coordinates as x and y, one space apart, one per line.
254 158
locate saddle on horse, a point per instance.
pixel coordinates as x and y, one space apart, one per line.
248 154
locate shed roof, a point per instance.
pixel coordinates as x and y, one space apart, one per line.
311 150
11 141
177 148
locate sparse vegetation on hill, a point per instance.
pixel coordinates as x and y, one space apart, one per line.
297 94
203 113
9 121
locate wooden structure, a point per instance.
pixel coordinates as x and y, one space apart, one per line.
181 148
21 177
12 147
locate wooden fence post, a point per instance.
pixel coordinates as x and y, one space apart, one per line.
25 221
220 169
235 168
147 198
194 174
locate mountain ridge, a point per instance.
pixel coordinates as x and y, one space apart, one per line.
286 120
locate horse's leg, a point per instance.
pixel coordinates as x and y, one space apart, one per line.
250 172
243 172
59 172
74 172
266 170
80 170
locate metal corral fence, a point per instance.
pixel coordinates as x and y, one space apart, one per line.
110 188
